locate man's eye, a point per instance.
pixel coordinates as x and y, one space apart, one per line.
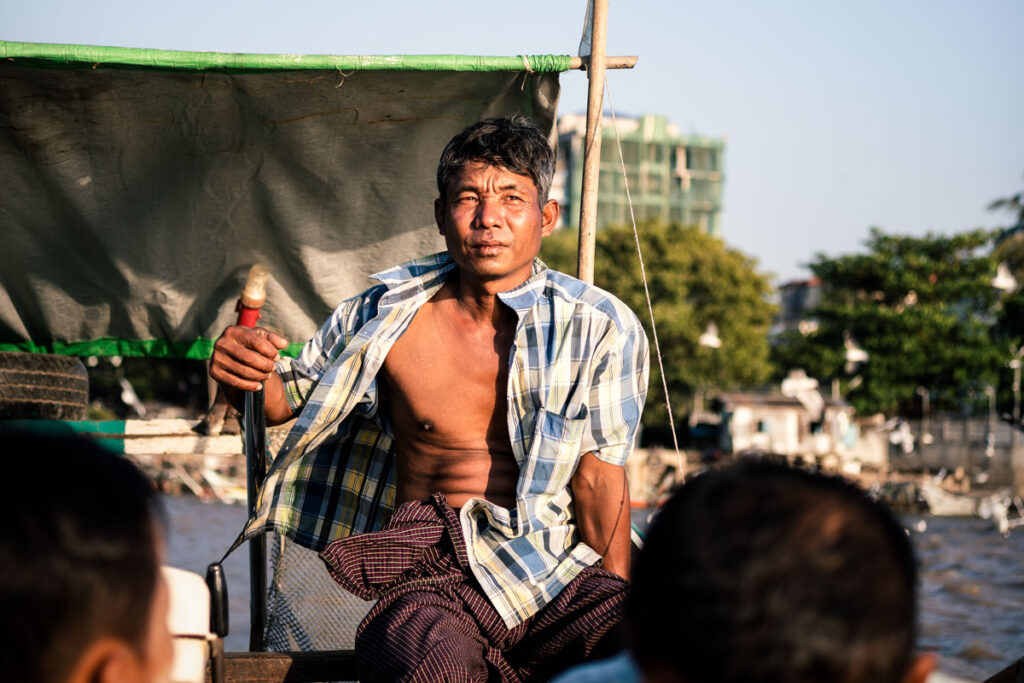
514 198
466 199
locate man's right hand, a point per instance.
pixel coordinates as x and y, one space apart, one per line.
243 357
243 360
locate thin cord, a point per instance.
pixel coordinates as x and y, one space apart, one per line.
643 275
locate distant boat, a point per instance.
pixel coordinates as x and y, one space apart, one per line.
995 505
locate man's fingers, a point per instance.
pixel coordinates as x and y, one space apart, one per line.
262 340
244 357
242 352
244 370
276 339
224 378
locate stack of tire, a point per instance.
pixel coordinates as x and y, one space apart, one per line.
42 386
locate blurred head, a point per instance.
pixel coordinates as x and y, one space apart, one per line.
514 144
760 572
80 551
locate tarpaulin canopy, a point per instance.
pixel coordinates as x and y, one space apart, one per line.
139 186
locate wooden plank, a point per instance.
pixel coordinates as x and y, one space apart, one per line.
289 667
182 444
201 460
159 427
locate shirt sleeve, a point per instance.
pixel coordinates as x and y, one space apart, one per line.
301 374
617 394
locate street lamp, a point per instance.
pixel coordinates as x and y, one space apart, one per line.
711 340
854 354
1016 427
1004 279
990 437
1015 365
710 337
926 435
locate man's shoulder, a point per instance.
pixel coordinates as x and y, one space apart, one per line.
572 290
367 299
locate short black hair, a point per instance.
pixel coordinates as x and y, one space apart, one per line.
765 573
513 143
78 552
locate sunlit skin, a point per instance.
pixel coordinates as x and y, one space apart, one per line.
447 376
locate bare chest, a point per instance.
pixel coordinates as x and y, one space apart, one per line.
448 383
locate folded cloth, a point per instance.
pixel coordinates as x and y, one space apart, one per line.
433 621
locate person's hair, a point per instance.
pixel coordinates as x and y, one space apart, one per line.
78 552
764 573
514 144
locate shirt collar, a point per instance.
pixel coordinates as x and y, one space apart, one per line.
424 275
428 273
523 297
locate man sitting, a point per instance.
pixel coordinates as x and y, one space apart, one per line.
482 406
80 551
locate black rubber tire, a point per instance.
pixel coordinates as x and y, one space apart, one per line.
42 386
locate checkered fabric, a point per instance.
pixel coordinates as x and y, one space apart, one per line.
433 621
577 382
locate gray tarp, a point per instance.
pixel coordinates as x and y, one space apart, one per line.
135 201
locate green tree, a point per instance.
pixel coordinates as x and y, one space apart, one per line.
923 308
694 279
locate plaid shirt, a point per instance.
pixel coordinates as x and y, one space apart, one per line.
577 382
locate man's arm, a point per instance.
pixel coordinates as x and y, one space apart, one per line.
601 493
243 360
615 402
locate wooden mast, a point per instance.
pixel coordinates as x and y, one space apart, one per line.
592 142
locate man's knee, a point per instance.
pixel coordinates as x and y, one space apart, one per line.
414 640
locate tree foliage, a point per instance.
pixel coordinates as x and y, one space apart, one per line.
923 308
694 279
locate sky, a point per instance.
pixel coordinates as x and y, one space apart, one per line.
907 115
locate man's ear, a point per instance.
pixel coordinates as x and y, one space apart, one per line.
921 667
549 220
439 214
107 660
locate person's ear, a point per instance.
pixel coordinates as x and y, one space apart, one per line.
106 660
550 214
439 214
921 667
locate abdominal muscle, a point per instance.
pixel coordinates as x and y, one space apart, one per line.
458 473
446 383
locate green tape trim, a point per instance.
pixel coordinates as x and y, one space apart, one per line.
95 428
53 55
200 349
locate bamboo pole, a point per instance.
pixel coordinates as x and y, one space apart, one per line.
592 143
624 62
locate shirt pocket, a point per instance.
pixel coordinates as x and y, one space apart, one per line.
553 454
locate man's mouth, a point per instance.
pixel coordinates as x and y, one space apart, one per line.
488 248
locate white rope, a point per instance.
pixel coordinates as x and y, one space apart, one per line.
647 292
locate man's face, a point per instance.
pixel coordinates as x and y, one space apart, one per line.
493 221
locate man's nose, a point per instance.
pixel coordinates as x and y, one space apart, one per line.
488 213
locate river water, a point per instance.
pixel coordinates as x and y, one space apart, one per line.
972 590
